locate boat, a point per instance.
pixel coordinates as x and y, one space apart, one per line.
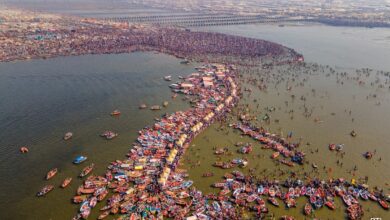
168 78
85 210
332 147
66 182
290 202
224 192
251 198
308 209
45 190
271 192
79 199
286 162
115 113
51 173
330 204
93 201
174 86
216 206
142 106
185 61
208 174
87 170
275 155
23 150
273 201
68 136
79 159
383 203
347 199
109 135
187 184
103 215
155 107
368 155
165 103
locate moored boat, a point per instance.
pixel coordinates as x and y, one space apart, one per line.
46 189
109 135
51 173
103 215
115 113
87 170
155 107
273 201
383 203
308 209
24 149
66 182
68 136
79 159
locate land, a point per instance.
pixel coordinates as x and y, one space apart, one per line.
31 35
343 13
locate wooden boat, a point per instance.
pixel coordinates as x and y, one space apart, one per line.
87 170
85 209
275 155
155 107
23 150
68 136
45 190
286 162
330 205
83 190
115 113
384 204
208 174
271 192
347 200
93 201
290 202
79 199
66 182
102 195
109 135
51 173
368 155
185 61
332 146
273 201
224 192
103 214
308 209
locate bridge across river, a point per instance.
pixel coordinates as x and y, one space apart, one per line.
196 20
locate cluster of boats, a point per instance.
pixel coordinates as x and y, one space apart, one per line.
148 184
271 141
48 188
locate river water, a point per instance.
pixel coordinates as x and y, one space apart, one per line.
43 99
351 47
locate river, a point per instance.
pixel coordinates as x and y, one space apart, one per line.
43 99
